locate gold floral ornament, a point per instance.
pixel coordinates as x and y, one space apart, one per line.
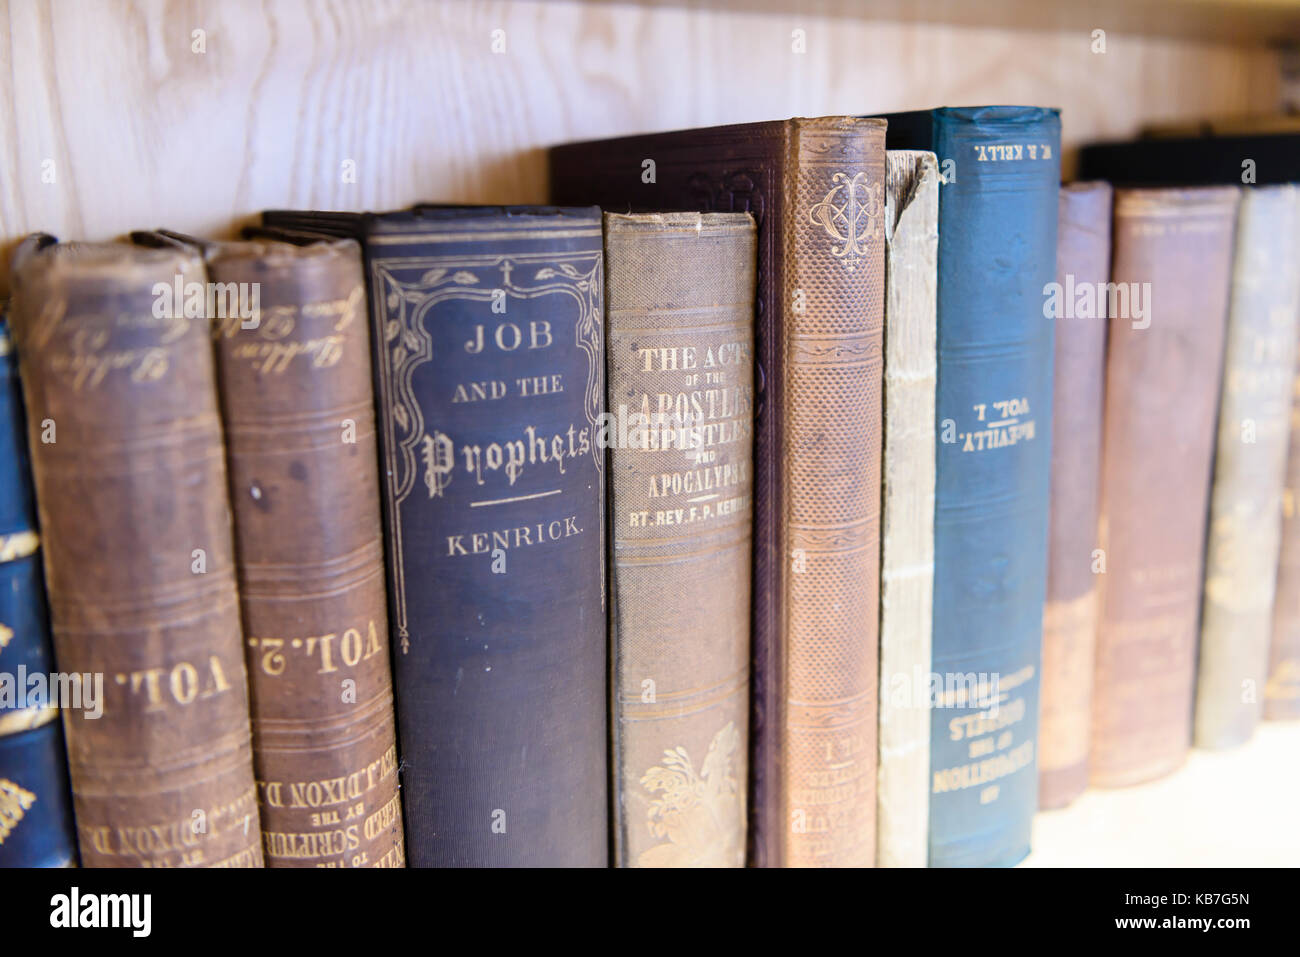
702 815
850 214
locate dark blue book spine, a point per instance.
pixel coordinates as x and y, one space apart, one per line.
997 254
36 827
489 352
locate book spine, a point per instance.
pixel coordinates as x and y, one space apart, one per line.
36 828
131 484
1171 271
297 401
997 255
907 510
1070 615
489 349
680 301
1282 693
1249 468
832 358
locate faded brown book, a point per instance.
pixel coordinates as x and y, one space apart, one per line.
1070 613
297 400
680 359
130 479
1282 693
816 190
1172 268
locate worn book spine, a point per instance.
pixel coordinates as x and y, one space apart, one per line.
997 255
296 393
907 510
816 479
130 478
680 357
833 359
1070 615
1249 468
1171 268
36 828
488 341
1282 693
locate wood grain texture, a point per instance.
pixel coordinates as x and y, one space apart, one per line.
141 131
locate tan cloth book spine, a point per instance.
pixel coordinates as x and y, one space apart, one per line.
680 348
907 511
130 478
1282 693
1250 468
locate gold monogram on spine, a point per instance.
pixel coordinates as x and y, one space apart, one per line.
850 213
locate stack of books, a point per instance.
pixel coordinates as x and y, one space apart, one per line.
818 492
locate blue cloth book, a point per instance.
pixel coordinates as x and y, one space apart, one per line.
35 805
1000 172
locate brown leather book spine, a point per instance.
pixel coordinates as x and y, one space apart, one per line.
131 483
1282 692
1171 269
295 384
1070 614
680 347
832 355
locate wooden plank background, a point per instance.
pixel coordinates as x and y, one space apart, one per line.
110 119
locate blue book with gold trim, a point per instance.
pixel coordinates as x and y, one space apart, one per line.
35 805
1000 168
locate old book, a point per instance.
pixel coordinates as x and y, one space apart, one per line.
1171 268
907 506
488 341
1282 693
1070 615
1249 468
130 481
680 359
297 402
816 190
997 255
36 827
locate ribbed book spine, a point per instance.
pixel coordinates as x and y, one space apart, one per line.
1073 563
36 827
1249 468
997 256
296 391
907 510
832 357
680 299
1173 262
488 341
130 479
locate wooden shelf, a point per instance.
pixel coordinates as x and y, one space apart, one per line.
110 121
1235 808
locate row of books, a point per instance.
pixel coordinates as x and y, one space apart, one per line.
840 481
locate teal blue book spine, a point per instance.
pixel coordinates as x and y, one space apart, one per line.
35 804
1000 169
